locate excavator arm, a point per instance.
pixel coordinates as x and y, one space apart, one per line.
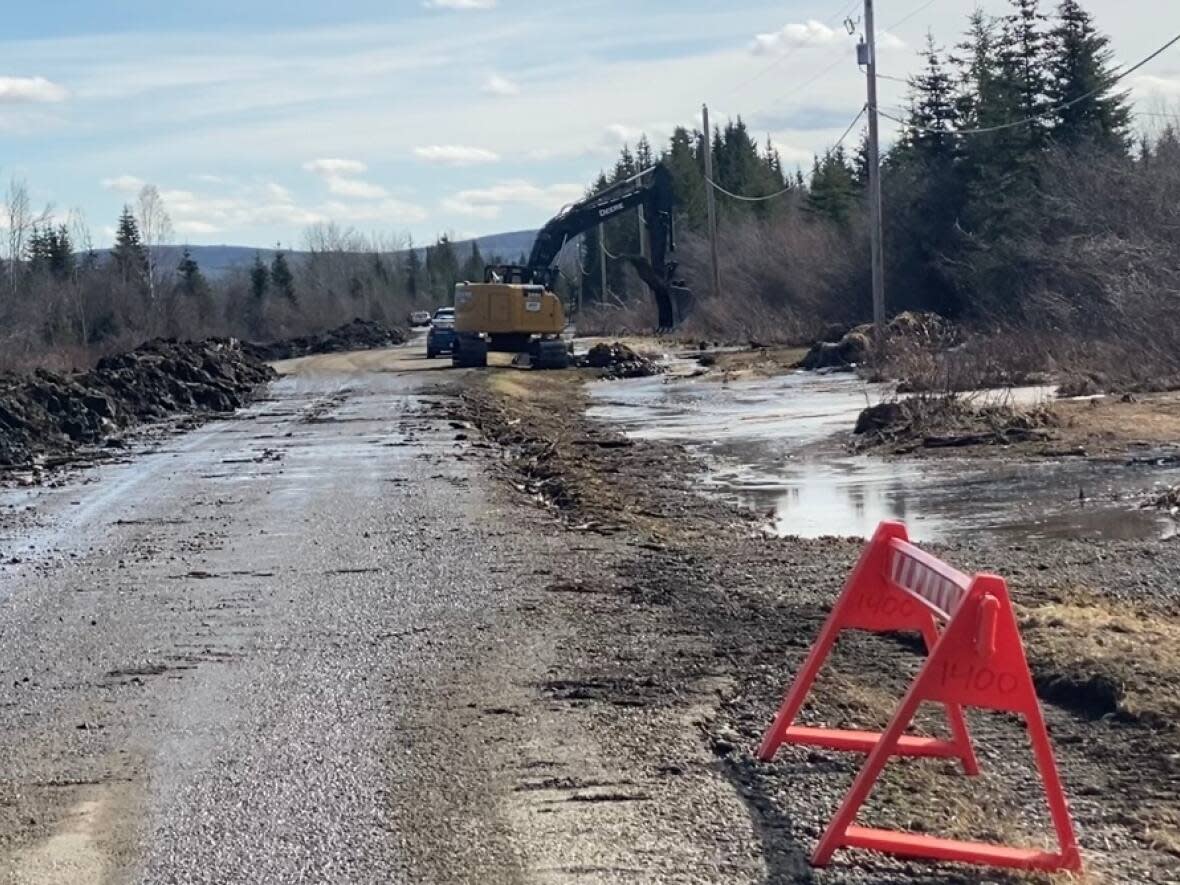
651 189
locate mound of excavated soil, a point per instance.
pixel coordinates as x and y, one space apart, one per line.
855 347
949 421
357 335
47 416
620 361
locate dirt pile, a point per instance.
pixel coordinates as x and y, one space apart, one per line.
1168 500
950 421
49 416
927 331
357 335
619 361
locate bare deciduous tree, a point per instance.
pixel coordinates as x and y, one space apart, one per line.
155 229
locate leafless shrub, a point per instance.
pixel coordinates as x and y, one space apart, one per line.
783 280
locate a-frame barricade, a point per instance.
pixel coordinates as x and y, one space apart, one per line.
976 660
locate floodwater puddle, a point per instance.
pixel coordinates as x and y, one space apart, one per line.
773 444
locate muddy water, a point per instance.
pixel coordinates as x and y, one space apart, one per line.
776 445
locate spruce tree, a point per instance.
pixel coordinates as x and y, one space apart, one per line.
685 164
281 277
442 267
60 253
412 269
1080 64
129 253
472 271
933 115
259 279
191 281
833 192
644 156
1023 65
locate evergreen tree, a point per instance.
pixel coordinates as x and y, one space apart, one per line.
625 168
832 194
191 281
933 115
129 254
442 267
412 270
472 271
1080 64
259 279
685 164
60 253
281 277
38 249
644 156
1023 65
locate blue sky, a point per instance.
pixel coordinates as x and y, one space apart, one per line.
257 118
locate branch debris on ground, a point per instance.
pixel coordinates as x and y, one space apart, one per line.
950 421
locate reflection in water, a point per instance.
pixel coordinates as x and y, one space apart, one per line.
756 435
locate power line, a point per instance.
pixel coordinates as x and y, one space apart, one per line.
784 56
790 187
1046 113
916 12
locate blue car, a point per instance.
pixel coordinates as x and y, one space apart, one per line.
441 337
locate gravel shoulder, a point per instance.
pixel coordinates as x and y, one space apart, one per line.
717 601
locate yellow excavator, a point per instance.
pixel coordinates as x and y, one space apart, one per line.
515 310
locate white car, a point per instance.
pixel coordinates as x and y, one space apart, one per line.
420 318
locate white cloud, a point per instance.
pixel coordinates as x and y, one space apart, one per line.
331 166
487 203
456 155
338 173
196 227
498 85
812 35
460 4
30 89
387 211
796 36
279 193
124 184
471 210
1149 86
355 187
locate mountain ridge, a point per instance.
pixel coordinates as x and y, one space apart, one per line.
222 259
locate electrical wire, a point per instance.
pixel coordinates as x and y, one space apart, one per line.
784 56
1046 113
916 12
789 187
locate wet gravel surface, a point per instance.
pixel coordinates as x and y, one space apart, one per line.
719 601
322 642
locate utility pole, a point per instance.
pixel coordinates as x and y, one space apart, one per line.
711 199
876 226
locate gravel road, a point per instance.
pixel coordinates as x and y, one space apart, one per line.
318 643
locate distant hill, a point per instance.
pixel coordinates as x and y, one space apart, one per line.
220 260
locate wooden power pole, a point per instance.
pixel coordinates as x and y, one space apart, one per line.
711 200
876 226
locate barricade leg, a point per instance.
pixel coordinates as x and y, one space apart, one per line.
954 714
833 836
797 694
1054 790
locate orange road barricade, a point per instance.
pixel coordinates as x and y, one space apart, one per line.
976 659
